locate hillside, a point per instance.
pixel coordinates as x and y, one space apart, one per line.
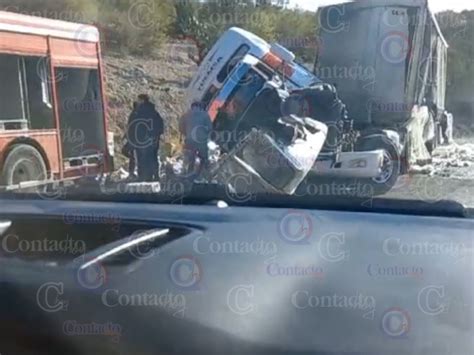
163 77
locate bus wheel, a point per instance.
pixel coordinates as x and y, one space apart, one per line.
23 163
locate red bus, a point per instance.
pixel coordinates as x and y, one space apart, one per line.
53 123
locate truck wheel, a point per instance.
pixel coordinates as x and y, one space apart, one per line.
391 167
23 163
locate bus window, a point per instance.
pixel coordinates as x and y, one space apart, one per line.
80 111
233 61
38 89
11 93
43 74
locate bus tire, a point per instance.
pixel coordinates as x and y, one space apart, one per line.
23 163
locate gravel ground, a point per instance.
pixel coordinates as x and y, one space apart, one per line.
451 176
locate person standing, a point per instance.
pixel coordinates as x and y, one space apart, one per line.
196 126
447 127
144 132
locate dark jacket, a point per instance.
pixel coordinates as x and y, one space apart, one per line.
145 125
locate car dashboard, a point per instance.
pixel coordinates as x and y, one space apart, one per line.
140 278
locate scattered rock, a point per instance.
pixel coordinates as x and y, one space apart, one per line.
454 160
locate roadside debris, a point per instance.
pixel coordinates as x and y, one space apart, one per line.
451 161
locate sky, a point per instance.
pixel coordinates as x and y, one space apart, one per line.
436 5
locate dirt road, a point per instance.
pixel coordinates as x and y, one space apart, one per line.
451 176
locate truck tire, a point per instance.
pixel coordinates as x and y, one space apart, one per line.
392 166
23 163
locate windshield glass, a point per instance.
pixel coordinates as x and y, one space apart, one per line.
244 93
255 177
389 87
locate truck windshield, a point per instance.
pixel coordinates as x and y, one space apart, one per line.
244 93
233 61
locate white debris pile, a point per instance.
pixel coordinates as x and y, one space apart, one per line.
422 170
454 155
123 174
174 166
454 160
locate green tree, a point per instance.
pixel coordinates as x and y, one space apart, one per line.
134 26
458 29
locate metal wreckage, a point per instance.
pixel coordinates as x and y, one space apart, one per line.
293 125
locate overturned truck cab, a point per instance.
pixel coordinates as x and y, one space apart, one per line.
272 140
265 150
273 134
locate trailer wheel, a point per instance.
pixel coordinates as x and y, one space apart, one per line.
391 167
23 163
